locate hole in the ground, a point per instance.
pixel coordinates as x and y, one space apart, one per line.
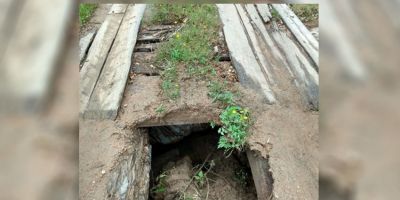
186 164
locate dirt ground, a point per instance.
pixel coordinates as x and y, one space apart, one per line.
285 133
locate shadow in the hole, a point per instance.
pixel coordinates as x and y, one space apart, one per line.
199 143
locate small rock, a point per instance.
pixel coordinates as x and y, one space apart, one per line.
103 171
216 49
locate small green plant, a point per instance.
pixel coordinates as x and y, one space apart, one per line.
170 84
200 178
160 187
218 92
85 12
201 71
275 15
241 176
233 132
213 124
160 109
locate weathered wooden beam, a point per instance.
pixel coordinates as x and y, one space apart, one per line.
302 34
29 52
84 44
261 175
305 74
263 9
254 43
243 59
106 98
261 29
97 56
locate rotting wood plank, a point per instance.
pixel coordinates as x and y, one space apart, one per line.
301 33
265 65
305 74
261 175
243 59
146 47
29 52
107 96
148 39
263 9
97 56
84 44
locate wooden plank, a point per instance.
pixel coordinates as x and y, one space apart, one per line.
243 59
302 34
263 9
261 175
265 66
107 95
28 60
96 57
84 44
260 27
305 74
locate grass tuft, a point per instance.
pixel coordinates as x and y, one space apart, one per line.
308 13
86 10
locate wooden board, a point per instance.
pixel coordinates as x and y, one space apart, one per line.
302 34
263 9
106 98
243 59
84 44
28 59
97 56
262 31
261 175
305 74
265 66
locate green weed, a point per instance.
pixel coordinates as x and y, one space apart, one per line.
160 109
308 13
161 184
85 12
170 84
218 92
241 176
200 178
275 15
233 132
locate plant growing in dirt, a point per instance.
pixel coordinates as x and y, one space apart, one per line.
218 92
235 123
160 109
241 176
85 12
170 84
160 187
200 178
